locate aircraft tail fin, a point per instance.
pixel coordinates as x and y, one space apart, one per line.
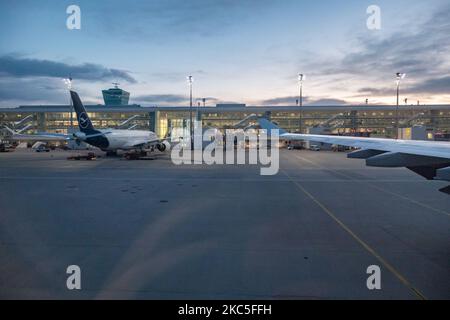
268 125
84 122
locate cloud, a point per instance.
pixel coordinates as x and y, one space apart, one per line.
420 51
24 80
160 98
44 91
328 102
18 91
291 100
437 86
431 86
168 99
171 76
24 67
169 19
380 92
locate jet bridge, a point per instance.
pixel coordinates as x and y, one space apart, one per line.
133 126
418 116
327 123
123 124
244 122
24 129
23 121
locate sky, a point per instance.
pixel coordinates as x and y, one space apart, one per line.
238 51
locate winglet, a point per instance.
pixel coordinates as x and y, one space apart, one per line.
445 190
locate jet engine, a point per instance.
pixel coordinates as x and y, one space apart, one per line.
163 146
80 136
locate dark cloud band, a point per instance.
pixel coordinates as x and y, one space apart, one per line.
23 67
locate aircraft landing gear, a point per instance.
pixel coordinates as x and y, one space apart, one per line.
139 155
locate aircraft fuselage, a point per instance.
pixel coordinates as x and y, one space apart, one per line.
116 139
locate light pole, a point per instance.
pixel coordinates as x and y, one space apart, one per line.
68 83
197 113
191 128
301 77
399 78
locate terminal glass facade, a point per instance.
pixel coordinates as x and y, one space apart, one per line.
377 120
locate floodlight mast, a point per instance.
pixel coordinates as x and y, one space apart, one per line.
191 128
68 83
399 77
301 77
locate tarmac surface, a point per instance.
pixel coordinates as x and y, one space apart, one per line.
153 230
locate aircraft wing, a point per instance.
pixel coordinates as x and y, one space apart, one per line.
139 143
48 136
430 159
40 137
421 148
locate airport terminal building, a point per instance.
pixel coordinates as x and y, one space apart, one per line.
379 120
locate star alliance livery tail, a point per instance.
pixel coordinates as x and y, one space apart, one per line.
84 122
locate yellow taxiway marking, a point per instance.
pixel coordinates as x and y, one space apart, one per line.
423 205
383 261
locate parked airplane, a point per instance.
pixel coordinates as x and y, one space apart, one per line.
430 159
112 140
109 140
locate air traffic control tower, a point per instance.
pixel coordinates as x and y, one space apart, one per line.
115 96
